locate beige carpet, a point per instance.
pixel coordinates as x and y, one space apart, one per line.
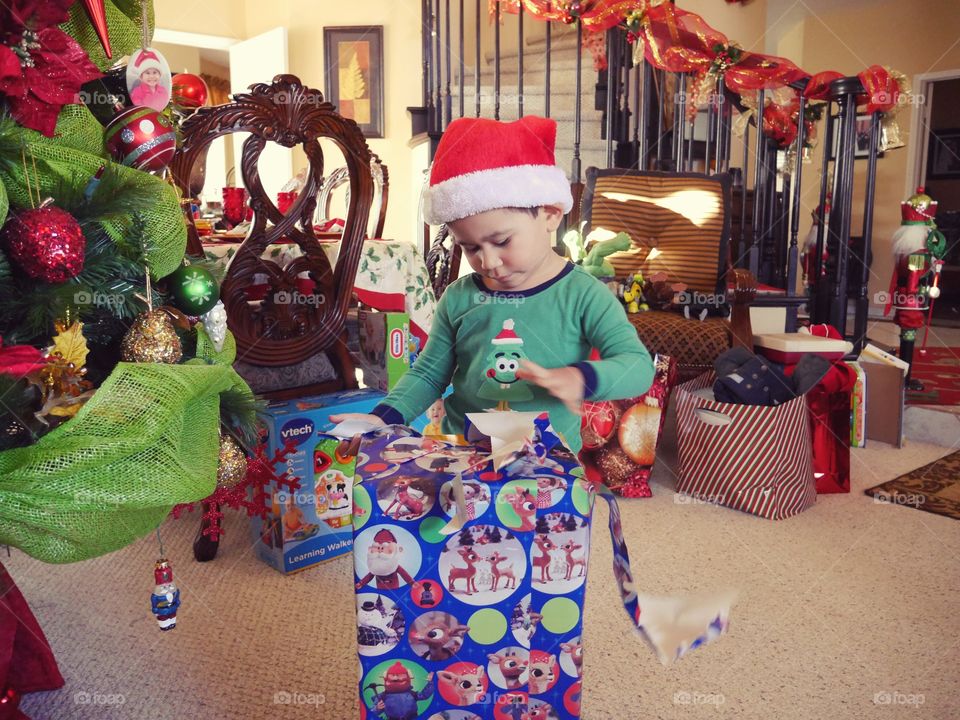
848 610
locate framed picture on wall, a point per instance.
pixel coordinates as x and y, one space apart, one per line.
353 66
943 162
862 137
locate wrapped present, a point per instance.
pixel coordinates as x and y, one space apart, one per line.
470 570
754 458
620 437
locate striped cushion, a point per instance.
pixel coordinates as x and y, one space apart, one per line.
683 216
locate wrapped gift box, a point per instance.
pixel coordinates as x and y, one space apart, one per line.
470 571
788 348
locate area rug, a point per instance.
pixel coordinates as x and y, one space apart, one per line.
934 488
939 371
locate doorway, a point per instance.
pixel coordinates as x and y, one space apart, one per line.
937 169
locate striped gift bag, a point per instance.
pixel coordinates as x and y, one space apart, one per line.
748 457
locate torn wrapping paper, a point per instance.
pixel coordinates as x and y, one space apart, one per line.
470 571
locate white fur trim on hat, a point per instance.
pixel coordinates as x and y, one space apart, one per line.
513 186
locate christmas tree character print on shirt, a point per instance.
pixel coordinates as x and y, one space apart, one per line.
501 382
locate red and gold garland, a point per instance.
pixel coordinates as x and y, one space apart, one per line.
680 41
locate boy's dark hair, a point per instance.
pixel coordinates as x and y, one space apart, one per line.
531 211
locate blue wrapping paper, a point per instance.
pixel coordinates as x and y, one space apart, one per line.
473 609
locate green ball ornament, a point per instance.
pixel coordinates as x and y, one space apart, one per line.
193 289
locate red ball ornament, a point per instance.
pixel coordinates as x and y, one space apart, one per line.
189 91
598 423
141 138
46 243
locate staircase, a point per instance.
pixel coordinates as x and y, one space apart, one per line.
563 65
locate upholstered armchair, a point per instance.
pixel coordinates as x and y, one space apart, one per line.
679 224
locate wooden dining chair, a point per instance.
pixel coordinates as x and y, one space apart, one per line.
290 342
286 349
381 195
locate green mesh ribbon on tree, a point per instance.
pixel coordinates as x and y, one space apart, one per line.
124 23
146 441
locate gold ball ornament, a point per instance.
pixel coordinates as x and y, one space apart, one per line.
638 432
232 468
152 338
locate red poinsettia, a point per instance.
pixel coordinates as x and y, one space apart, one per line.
19 360
41 67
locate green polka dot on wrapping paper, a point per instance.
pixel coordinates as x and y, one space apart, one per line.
430 529
361 506
487 626
560 615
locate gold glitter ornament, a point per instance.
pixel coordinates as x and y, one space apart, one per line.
232 468
152 338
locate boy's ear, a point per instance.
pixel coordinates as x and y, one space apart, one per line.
553 215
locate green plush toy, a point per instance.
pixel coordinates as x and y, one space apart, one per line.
595 260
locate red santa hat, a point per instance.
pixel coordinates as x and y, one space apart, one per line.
148 59
384 536
507 336
484 164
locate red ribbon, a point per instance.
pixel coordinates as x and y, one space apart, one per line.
681 41
881 90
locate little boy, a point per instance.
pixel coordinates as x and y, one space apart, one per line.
517 331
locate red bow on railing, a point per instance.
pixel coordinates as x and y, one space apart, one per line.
881 88
681 41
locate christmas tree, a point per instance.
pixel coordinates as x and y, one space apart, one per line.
107 338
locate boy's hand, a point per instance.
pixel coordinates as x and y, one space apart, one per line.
564 383
360 417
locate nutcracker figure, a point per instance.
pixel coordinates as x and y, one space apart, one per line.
918 250
166 597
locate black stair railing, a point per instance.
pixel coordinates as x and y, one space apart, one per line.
645 124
